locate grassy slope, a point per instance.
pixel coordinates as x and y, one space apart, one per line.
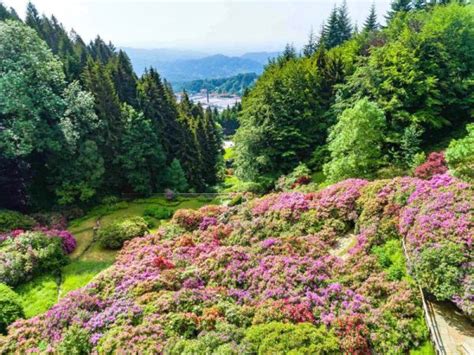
39 294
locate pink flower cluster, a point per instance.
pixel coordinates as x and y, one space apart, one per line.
273 259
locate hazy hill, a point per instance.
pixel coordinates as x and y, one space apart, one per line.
179 65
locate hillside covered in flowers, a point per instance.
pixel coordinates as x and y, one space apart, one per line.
307 272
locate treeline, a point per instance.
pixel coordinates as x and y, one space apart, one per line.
362 102
76 123
237 84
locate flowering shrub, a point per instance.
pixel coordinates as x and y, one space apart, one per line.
24 254
434 165
275 275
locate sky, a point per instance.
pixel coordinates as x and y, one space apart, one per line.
224 26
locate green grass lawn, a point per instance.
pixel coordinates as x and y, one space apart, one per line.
89 259
38 295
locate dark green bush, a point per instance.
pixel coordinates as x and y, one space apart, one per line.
114 235
10 220
438 269
10 307
158 212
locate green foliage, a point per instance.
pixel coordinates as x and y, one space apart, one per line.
390 256
115 234
141 156
175 177
75 342
158 212
29 254
10 307
355 142
460 155
10 220
438 269
38 295
301 175
286 338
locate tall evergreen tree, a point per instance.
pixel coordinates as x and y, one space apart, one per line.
124 78
107 106
311 46
344 23
370 23
101 51
8 14
331 30
398 6
157 101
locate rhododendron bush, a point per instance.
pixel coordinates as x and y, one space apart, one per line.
274 274
24 254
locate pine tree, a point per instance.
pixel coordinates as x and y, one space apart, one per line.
175 177
310 48
370 23
344 23
101 51
32 17
398 6
107 107
124 78
156 99
8 14
331 30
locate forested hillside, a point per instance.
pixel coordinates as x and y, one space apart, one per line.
77 123
346 208
366 103
234 85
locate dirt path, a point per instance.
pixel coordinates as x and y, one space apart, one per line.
456 332
343 246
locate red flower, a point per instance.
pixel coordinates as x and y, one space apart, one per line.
162 263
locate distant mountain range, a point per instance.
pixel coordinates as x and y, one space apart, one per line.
179 66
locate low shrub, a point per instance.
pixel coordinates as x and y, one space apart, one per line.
301 175
10 307
53 220
438 269
188 219
29 253
158 212
284 338
115 234
434 165
10 220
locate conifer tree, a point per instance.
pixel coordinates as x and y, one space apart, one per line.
311 46
107 107
175 177
32 17
8 14
343 23
370 23
124 78
331 30
398 6
101 51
